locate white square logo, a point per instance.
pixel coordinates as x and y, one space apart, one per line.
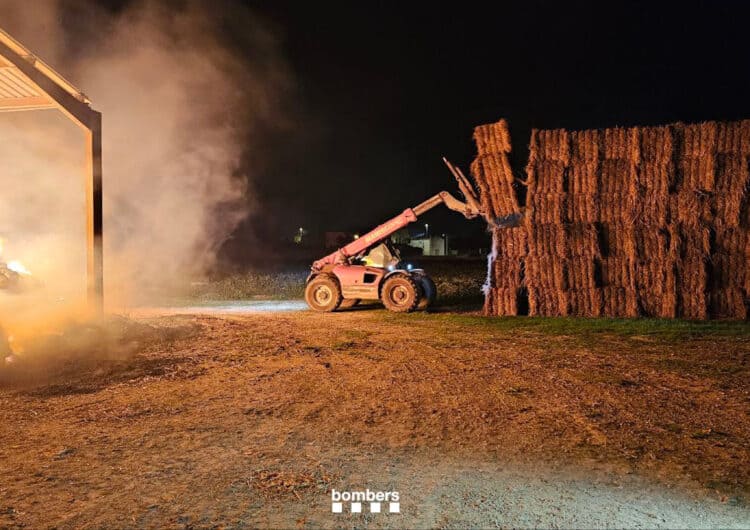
395 507
374 507
356 507
337 507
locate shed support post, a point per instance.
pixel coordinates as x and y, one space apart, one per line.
94 216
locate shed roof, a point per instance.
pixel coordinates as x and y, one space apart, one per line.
28 83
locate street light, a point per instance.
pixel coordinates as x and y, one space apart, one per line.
426 229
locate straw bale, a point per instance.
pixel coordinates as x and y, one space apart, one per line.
745 137
729 137
583 177
676 239
507 273
697 140
618 176
668 307
617 240
545 239
501 135
697 174
621 144
510 242
693 305
495 166
501 302
690 208
656 177
732 173
546 271
650 282
546 208
583 207
619 302
503 199
549 144
584 146
492 138
581 272
733 241
582 240
657 145
653 210
495 180
694 241
489 307
692 284
651 242
480 179
585 302
656 286
732 179
547 302
618 271
617 208
728 270
728 303
546 176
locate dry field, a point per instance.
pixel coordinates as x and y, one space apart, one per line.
210 420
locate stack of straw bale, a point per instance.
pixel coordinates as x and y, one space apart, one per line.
623 222
506 270
546 214
618 197
492 172
494 178
657 241
728 287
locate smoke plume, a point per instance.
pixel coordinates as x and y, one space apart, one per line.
186 88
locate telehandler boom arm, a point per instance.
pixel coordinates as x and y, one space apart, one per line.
470 209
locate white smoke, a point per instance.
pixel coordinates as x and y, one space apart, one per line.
181 108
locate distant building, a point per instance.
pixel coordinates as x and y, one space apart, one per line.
402 237
431 245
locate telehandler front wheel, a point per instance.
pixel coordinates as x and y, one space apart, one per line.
430 293
401 293
323 293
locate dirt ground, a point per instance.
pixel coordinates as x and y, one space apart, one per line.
250 420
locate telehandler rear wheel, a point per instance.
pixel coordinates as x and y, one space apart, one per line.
401 293
323 293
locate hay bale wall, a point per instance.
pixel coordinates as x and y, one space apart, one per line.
496 183
621 222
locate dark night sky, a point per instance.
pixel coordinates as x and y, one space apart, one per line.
383 89
389 87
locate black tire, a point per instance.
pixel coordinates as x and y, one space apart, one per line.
401 294
348 303
430 293
323 293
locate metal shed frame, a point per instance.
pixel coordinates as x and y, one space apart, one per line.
27 83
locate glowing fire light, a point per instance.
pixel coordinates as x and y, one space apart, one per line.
18 267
